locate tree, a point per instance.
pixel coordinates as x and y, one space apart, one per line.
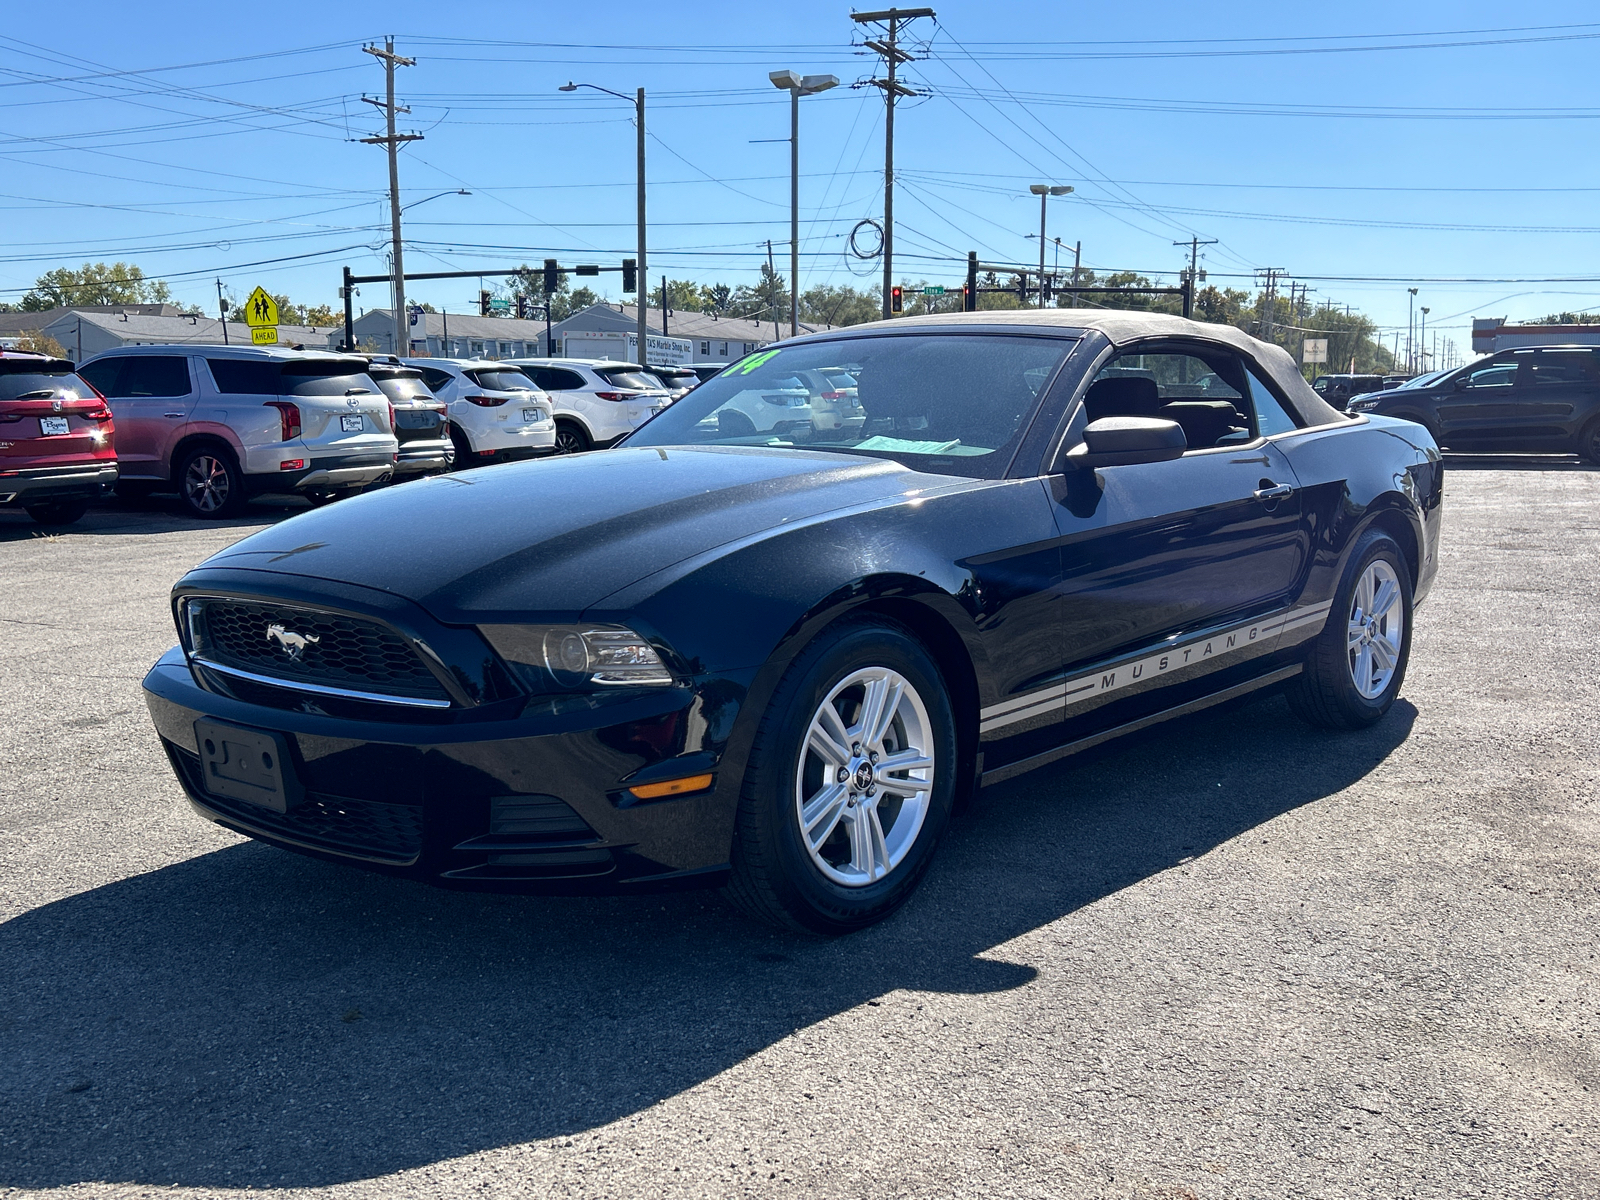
94 284
767 299
528 282
35 342
1569 318
834 304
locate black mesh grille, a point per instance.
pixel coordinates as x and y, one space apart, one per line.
304 645
338 823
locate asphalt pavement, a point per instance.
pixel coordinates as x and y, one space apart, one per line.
1231 957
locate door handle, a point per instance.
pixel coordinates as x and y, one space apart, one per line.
176 414
1281 491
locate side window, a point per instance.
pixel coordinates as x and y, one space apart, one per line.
1271 416
563 381
1561 366
435 379
237 376
133 376
1204 395
103 374
1492 375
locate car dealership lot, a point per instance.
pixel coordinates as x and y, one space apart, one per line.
1234 958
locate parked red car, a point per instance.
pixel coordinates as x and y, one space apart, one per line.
55 439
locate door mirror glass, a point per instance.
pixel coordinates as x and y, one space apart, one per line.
1126 441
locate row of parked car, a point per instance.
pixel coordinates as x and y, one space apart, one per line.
220 424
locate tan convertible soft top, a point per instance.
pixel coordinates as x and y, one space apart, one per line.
1125 328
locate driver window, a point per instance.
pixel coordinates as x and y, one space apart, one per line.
1493 375
1205 396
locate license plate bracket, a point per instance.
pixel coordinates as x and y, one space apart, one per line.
532 414
351 424
53 426
251 765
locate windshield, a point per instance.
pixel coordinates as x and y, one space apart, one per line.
949 402
1422 380
43 385
500 379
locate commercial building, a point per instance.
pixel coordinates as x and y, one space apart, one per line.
716 337
1491 335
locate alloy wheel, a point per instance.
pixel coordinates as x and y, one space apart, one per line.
1377 629
206 484
569 441
864 782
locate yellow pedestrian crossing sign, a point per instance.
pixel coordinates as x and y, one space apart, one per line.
264 335
260 310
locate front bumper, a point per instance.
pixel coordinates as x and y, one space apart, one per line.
531 802
44 485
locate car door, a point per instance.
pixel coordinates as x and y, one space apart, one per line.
1159 554
1478 408
151 398
1554 397
568 396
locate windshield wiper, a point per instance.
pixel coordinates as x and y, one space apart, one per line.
41 394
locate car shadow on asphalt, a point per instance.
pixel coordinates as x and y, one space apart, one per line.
152 514
1487 461
251 1018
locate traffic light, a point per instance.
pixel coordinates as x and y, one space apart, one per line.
552 277
630 275
897 300
522 308
483 302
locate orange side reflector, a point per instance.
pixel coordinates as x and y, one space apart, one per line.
672 787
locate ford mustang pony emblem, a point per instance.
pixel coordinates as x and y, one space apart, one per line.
292 644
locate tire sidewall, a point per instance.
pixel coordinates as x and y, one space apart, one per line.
580 439
816 901
1375 544
1589 442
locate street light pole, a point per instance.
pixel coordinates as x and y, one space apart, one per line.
797 85
1044 191
1411 329
642 289
1422 338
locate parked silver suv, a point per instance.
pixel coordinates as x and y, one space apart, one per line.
223 423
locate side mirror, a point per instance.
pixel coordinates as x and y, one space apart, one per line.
1462 382
1125 441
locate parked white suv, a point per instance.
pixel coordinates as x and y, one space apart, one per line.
597 402
496 412
223 423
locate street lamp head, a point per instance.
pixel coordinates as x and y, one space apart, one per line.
810 85
789 81
1039 189
568 86
1413 291
1060 190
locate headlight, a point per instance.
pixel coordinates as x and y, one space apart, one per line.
1363 405
564 657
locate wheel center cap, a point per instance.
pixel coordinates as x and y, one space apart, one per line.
864 776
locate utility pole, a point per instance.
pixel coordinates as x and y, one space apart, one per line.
222 307
663 306
772 275
1267 298
1077 258
1422 340
1194 245
889 48
392 140
1411 329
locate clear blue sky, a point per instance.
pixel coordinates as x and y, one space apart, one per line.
1366 140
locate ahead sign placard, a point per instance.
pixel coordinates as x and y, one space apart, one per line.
260 310
264 335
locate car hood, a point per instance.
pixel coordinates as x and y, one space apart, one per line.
554 537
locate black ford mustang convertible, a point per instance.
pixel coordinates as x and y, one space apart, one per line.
771 640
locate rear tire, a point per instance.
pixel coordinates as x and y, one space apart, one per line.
64 512
571 439
833 832
1589 442
1358 661
464 458
731 423
210 484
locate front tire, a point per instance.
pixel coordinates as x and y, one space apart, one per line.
64 512
1358 661
850 783
209 483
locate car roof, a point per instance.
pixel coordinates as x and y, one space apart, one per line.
263 353
592 363
1120 328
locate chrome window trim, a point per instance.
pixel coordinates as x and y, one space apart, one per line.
316 688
